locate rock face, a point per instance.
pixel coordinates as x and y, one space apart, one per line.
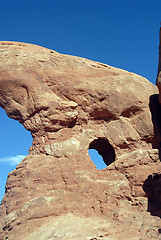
70 105
158 82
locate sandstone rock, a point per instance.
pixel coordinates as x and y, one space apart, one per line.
158 82
71 104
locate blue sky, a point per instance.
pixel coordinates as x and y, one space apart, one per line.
123 34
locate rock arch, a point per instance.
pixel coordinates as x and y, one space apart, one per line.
105 149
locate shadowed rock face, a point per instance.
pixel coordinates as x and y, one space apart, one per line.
158 82
71 104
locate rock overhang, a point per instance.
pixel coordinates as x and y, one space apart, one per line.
47 92
71 104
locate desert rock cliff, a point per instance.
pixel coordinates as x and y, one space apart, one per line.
70 105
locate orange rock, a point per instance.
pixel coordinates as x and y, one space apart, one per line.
71 104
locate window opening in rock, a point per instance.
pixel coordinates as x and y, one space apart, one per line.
103 154
15 143
97 159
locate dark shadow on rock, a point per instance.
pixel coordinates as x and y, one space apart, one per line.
152 188
155 108
105 149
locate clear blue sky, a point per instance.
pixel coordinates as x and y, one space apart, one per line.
123 34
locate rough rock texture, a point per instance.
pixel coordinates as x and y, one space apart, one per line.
71 104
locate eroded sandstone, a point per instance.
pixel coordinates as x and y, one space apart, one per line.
71 104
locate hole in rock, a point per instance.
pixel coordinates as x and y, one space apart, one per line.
15 143
101 152
97 159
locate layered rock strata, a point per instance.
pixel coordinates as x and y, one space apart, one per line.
70 105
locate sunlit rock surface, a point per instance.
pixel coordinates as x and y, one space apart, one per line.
70 105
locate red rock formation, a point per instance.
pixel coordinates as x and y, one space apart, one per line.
71 104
